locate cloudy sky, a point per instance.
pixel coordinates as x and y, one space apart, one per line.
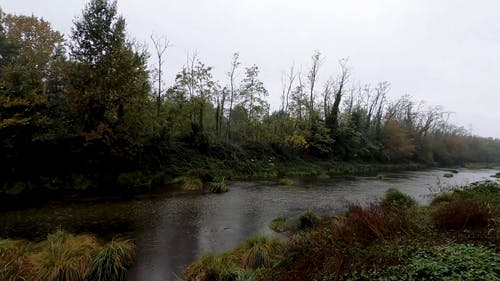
445 52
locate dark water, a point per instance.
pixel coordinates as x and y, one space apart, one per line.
173 229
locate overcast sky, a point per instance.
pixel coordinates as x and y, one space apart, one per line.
444 52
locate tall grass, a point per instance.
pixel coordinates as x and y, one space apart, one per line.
65 257
112 261
260 251
219 186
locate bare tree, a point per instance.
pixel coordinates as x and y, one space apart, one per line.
161 45
287 81
312 77
235 63
342 80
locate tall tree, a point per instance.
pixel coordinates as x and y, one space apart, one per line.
109 79
160 44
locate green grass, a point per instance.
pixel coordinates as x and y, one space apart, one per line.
112 262
280 224
396 198
189 183
260 251
65 257
286 181
219 186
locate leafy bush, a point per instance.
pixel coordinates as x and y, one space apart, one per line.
461 214
450 262
364 225
133 180
397 199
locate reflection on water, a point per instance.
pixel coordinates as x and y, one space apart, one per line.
173 229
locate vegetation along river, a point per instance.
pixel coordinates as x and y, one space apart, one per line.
171 229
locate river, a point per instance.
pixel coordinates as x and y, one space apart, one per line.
171 229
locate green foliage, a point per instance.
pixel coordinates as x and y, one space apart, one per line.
449 262
134 180
497 175
397 199
280 224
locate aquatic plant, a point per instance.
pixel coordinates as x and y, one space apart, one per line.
280 224
189 183
286 181
219 186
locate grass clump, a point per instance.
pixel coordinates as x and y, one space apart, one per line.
280 224
397 199
497 175
448 175
112 262
219 186
307 220
380 177
64 257
286 181
214 267
189 183
260 251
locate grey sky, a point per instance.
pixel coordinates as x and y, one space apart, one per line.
444 52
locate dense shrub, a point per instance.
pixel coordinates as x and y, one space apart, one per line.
461 214
397 199
449 262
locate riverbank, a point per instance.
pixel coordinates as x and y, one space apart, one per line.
65 257
393 239
192 173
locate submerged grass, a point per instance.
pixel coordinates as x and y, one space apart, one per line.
64 257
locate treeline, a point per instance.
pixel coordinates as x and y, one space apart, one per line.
87 111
